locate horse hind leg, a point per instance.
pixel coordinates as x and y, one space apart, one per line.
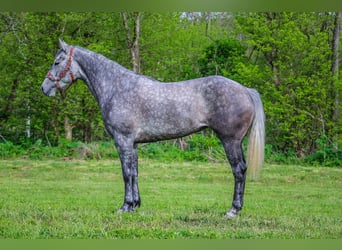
233 149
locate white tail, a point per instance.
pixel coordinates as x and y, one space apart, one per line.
256 142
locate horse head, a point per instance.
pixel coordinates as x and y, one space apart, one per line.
63 72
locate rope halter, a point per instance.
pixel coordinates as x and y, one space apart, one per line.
63 74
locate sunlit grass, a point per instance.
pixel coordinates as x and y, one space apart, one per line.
79 199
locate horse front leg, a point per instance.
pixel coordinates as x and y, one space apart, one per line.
126 164
126 153
136 195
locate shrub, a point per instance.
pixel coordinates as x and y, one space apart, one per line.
9 150
326 155
200 147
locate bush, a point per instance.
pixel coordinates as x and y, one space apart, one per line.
326 155
199 147
9 150
167 151
274 156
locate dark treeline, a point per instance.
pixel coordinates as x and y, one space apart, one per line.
292 59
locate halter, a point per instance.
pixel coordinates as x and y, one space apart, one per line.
63 73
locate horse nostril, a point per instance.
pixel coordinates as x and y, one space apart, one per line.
43 90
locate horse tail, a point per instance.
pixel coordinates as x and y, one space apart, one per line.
256 142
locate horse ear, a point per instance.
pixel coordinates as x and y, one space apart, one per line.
62 44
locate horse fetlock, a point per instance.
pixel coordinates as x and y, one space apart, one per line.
137 202
237 204
128 207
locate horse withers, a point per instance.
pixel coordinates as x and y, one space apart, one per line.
138 109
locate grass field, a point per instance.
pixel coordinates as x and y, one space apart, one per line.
79 199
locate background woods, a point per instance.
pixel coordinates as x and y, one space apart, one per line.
292 59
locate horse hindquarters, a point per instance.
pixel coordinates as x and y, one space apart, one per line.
253 120
232 114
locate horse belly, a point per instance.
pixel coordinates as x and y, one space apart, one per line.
170 111
169 126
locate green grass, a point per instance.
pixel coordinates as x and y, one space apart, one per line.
79 199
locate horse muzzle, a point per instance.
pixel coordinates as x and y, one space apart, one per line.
49 87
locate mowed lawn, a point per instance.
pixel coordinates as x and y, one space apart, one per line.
80 199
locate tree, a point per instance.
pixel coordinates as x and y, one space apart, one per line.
222 57
297 54
292 59
28 47
335 73
133 37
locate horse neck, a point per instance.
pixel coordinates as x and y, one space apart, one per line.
100 74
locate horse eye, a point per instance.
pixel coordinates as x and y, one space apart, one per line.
56 63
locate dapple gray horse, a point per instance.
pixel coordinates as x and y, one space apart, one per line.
138 109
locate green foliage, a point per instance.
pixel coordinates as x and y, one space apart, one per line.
286 56
222 58
170 46
326 155
278 157
296 90
8 150
201 147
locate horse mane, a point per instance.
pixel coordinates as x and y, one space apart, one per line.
118 66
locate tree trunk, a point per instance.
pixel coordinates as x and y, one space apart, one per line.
275 75
335 72
133 39
28 122
67 128
87 132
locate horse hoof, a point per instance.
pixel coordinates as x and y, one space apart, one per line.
232 213
126 208
120 211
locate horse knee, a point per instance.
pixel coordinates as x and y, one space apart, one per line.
127 175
